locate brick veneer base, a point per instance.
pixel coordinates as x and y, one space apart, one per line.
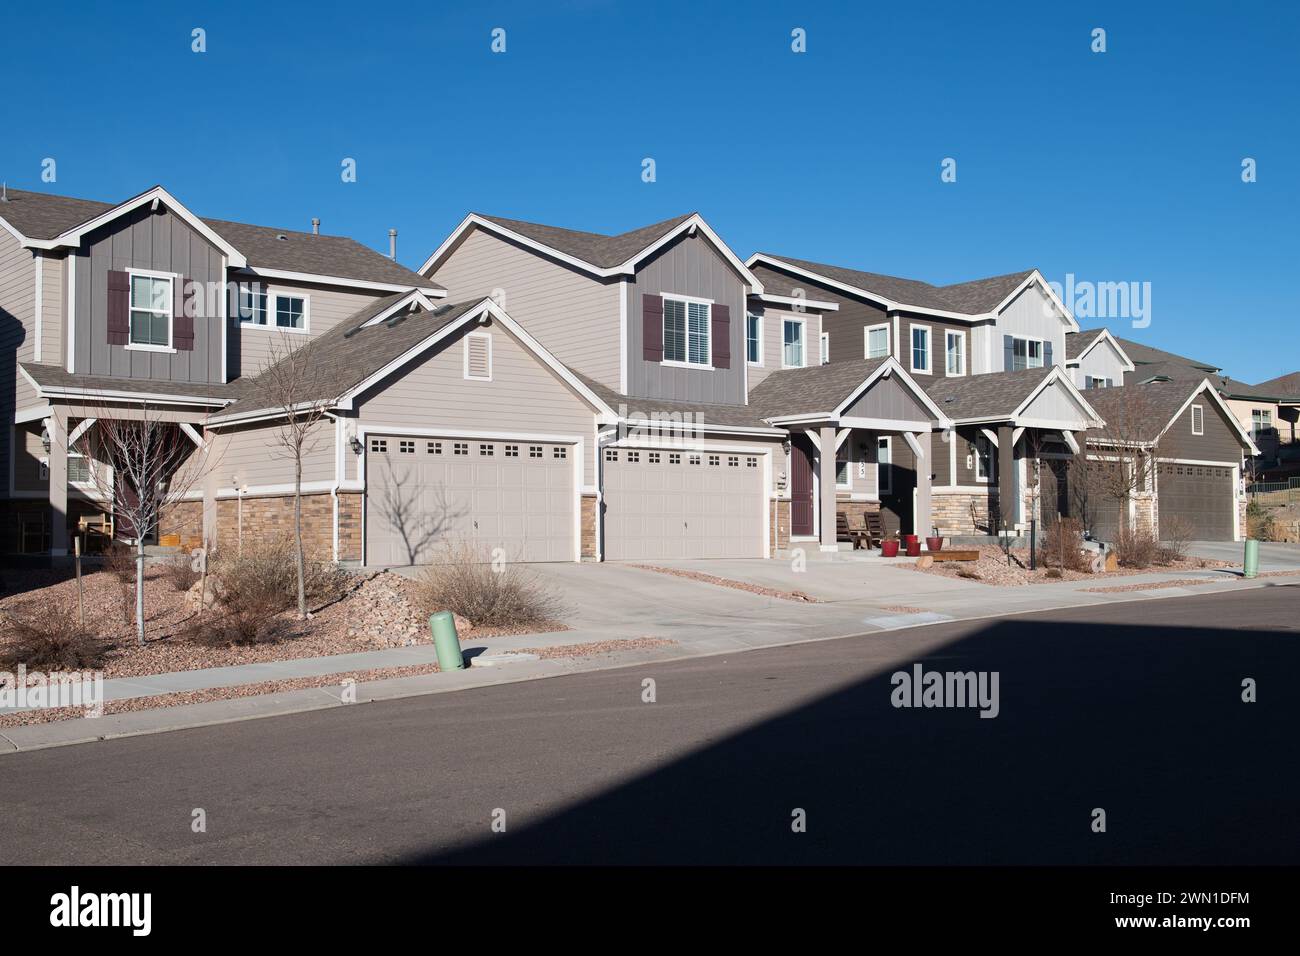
590 504
271 519
951 512
778 533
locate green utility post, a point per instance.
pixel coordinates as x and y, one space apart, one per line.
445 641
1251 564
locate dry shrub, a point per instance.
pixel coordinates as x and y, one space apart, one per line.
1053 573
467 583
1063 546
119 562
1136 547
49 637
1176 532
1259 521
179 572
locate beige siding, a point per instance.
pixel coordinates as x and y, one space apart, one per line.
254 457
1054 403
17 308
523 397
53 312
773 320
251 345
574 315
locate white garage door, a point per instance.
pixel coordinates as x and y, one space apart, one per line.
680 504
422 493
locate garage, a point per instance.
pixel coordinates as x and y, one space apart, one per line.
683 504
1201 495
422 493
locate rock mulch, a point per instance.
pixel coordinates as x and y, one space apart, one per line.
992 568
798 596
1150 585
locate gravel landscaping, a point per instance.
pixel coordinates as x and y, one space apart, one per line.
992 568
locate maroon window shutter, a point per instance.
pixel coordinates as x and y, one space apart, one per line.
721 332
183 316
652 328
119 308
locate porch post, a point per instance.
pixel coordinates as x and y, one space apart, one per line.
1006 476
58 472
826 434
209 493
921 519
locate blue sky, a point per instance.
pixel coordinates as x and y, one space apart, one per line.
1116 167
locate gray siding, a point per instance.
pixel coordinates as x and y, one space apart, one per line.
889 398
1101 362
1032 315
143 239
254 456
772 355
1219 443
1054 403
574 314
53 310
17 307
938 342
689 266
844 325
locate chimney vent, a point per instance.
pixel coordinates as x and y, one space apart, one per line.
315 226
4 192
392 244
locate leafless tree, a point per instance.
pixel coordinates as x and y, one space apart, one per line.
1121 454
290 382
140 465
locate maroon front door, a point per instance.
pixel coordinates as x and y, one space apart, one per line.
801 486
128 499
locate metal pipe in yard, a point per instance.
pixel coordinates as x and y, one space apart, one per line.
445 641
1250 565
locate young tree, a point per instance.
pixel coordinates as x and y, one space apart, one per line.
1121 452
140 465
292 383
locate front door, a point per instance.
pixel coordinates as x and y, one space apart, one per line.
801 487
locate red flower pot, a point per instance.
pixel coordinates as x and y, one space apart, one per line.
889 548
933 544
913 547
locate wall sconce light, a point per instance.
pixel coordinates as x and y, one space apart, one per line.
355 444
45 440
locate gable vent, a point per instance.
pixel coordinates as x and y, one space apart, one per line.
478 356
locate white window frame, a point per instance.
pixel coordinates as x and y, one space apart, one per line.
758 318
960 336
171 278
981 475
883 486
1093 381
1261 419
866 340
803 341
251 323
1198 411
708 331
273 297
478 335
1042 351
846 449
824 342
929 348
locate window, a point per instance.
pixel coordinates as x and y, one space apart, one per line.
611 454
487 451
634 457
151 311
460 448
559 451
921 348
733 461
291 312
884 466
693 459
674 459
1026 353
78 468
686 331
534 451
378 445
877 341
1261 419
434 448
653 457
842 474
826 347
754 339
714 460
252 304
406 447
955 350
1198 420
1091 382
751 462
792 343
983 458
512 451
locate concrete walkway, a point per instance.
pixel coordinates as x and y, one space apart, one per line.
1273 555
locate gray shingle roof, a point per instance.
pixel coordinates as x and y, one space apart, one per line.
1284 386
735 416
991 395
1076 343
45 216
1149 355
56 376
967 298
599 250
1139 412
808 391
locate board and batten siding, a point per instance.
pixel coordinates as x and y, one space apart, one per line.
889 398
17 338
1055 404
1031 314
54 344
1219 443
773 321
160 241
1102 362
573 314
251 345
688 266
523 396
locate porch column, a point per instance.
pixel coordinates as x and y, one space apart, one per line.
57 424
921 519
826 434
1006 476
209 492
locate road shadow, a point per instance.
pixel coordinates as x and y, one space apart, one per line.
1147 723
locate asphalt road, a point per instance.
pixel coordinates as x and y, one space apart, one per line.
1133 708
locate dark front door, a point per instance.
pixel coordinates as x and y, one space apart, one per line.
127 499
801 486
1054 488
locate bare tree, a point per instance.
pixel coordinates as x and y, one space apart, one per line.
144 477
1121 454
290 382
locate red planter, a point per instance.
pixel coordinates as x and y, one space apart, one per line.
933 544
889 548
913 547
909 539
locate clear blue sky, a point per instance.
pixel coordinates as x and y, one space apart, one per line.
1122 166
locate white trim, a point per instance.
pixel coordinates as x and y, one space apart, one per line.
414 297
1070 441
883 424
991 435
1196 461
225 320
39 281
821 305
1195 408
171 278
866 340
1042 352
1105 336
81 429
760 318
929 349
35 413
192 434
321 279
478 335
803 340
1057 374
982 480
70 297
881 490
687 301
961 336
898 335
824 346
914 444
623 338
1036 277
1212 393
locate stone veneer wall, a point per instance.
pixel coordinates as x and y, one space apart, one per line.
183 518
779 525
951 512
590 504
271 518
1146 512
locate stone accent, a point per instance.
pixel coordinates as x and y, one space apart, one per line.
1241 520
590 504
1146 512
962 512
185 519
779 525
271 519
350 540
855 509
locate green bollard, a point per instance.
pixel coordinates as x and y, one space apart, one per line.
1251 565
445 641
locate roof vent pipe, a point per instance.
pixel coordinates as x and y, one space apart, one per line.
315 226
392 244
4 192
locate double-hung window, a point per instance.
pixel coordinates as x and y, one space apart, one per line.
877 341
1261 419
291 312
753 339
1026 353
842 474
792 351
921 348
281 310
955 352
983 458
884 466
151 310
252 304
686 331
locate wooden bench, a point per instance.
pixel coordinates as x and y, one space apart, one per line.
954 555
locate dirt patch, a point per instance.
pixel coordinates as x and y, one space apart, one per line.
992 568
1150 586
797 596
578 651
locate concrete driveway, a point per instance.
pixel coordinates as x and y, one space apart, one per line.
1273 556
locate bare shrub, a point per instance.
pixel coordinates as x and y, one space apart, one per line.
1063 545
119 562
49 637
1136 547
179 572
1176 533
466 583
1053 573
1259 521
